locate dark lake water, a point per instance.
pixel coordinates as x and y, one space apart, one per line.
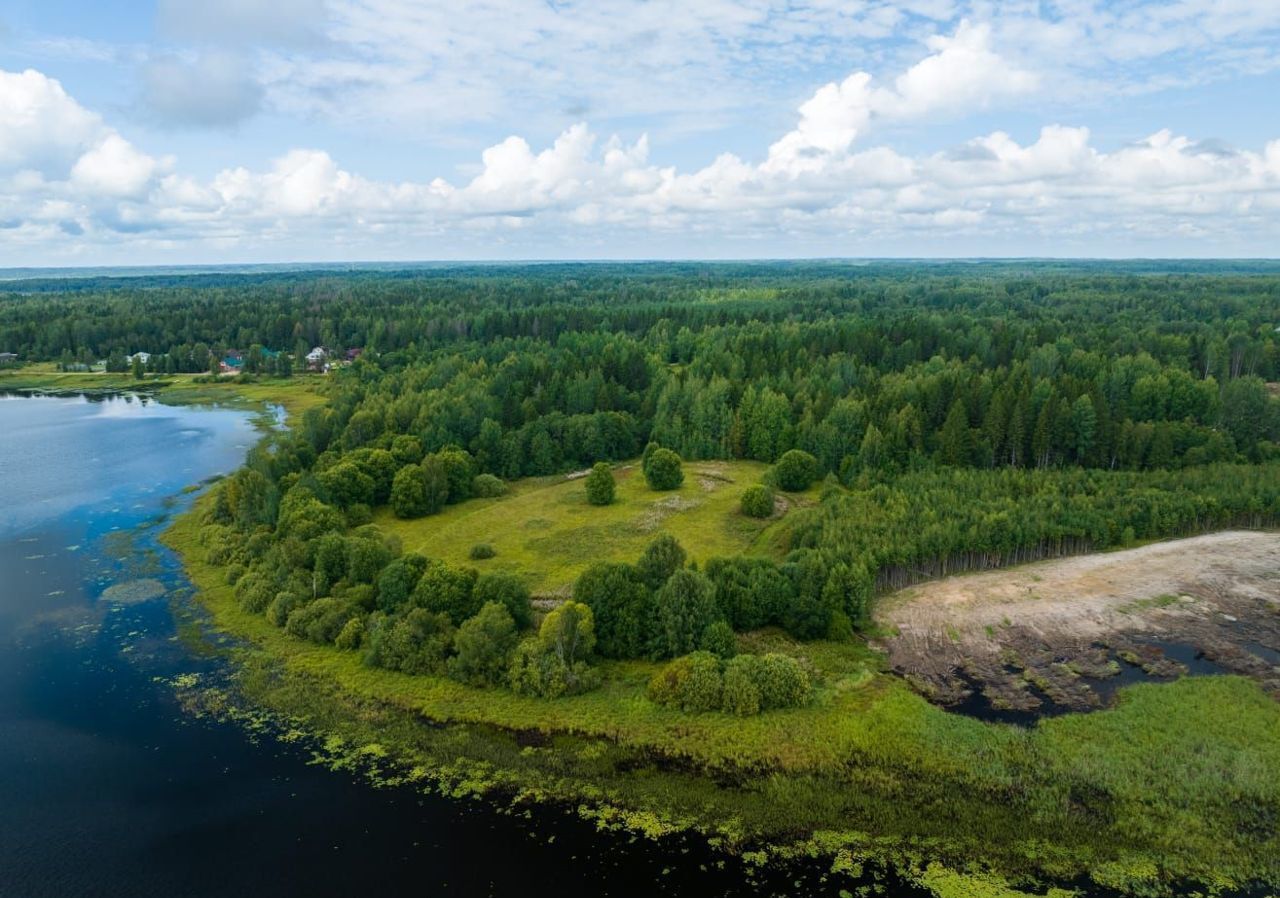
108 788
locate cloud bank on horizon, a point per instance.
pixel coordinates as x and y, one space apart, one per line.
368 129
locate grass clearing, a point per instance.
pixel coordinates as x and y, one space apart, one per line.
545 531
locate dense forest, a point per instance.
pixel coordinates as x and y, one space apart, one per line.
961 417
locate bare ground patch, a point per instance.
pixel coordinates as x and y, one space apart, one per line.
1055 632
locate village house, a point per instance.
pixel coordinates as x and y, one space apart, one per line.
144 357
316 358
232 362
8 358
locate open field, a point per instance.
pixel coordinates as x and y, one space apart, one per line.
545 530
295 394
1055 622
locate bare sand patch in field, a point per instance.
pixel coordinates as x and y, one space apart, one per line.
1050 632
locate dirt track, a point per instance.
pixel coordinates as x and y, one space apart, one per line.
1057 625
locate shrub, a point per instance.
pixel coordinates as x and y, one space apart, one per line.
320 621
757 501
552 664
755 683
254 593
407 449
796 470
806 618
366 558
487 486
718 639
660 559
625 616
484 644
447 589
347 485
281 607
507 590
751 592
417 643
741 694
664 470
409 492
481 551
398 579
352 635
840 629
692 683
358 515
435 473
783 682
686 607
600 485
460 472
233 574
330 564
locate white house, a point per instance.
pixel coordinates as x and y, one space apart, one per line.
317 355
144 357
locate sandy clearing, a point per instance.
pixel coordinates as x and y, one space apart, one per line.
1219 592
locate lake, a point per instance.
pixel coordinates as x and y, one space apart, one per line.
107 787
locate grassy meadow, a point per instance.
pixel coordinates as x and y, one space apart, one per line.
545 531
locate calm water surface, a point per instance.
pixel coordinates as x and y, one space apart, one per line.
108 788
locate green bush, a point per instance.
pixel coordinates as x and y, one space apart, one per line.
481 551
320 621
692 683
419 642
553 663
507 590
741 694
409 492
623 608
359 514
783 682
281 607
600 485
460 472
487 486
398 579
436 483
660 559
483 646
718 639
254 593
664 470
407 449
352 635
795 471
447 589
686 608
757 501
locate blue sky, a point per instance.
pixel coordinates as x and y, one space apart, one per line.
335 130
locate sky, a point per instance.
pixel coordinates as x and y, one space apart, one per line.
186 131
